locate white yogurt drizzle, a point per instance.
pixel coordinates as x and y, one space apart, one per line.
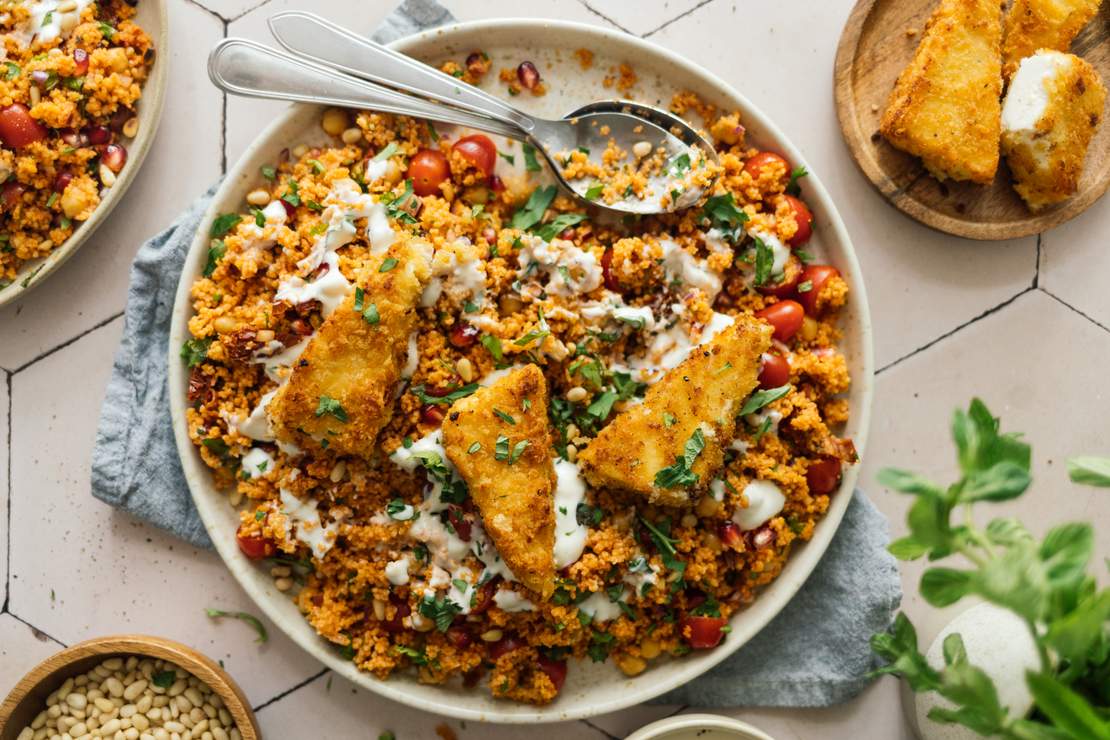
569 270
765 501
303 516
46 22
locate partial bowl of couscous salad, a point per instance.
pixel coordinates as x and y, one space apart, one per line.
81 88
487 452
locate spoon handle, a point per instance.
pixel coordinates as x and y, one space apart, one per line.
250 69
318 39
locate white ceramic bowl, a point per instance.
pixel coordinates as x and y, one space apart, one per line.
590 689
699 727
151 16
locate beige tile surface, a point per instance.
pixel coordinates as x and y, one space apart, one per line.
183 160
1037 362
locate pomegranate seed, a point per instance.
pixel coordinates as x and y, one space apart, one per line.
98 135
463 335
81 58
431 414
62 181
528 75
496 184
763 537
11 194
119 118
115 156
301 327
459 637
567 233
290 210
730 536
489 234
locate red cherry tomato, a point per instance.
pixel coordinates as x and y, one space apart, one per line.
774 372
804 220
11 194
427 170
785 316
823 476
754 166
479 150
17 128
705 632
607 270
485 596
817 276
504 646
397 624
463 334
459 522
791 274
556 670
730 536
254 546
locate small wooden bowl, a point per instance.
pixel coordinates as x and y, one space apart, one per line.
28 698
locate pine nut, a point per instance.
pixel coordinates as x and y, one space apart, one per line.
572 453
265 335
68 6
283 584
649 648
334 121
224 325
280 571
351 136
707 506
131 127
630 665
107 177
492 635
689 520
641 149
338 471
36 95
465 370
379 609
300 150
258 197
576 394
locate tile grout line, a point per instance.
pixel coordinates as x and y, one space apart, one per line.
8 504
248 11
605 18
677 18
1037 264
47 635
206 9
1070 307
99 325
951 332
291 689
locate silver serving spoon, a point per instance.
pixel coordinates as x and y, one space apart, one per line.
336 54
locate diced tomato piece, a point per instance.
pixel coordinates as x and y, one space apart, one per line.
431 414
803 218
479 150
704 632
254 546
785 316
556 670
607 271
814 277
12 193
504 646
18 129
823 476
396 624
485 596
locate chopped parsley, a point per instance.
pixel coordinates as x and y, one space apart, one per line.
723 214
250 619
223 223
493 346
530 162
761 398
399 510
679 474
389 150
13 71
792 187
501 448
518 450
588 516
557 225
805 286
441 611
331 407
194 351
473 448
594 191
541 332
388 264
764 261
680 165
292 194
504 416
216 252
259 217
665 544
268 172
532 211
507 157
668 419
447 399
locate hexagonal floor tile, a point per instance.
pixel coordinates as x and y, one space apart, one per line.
641 18
183 161
246 118
1022 362
331 708
1074 253
21 649
928 282
81 569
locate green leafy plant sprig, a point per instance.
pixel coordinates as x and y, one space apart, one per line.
1045 583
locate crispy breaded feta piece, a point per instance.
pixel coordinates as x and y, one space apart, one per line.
697 398
509 468
340 393
1042 24
944 107
1052 110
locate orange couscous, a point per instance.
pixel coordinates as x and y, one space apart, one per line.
71 76
408 338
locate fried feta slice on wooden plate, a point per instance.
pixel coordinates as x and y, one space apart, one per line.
1052 110
1042 24
340 392
499 440
945 105
674 441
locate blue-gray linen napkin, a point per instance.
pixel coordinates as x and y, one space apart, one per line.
814 653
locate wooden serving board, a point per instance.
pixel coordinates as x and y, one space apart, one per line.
873 50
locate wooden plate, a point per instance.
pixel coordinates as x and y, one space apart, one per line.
873 50
28 697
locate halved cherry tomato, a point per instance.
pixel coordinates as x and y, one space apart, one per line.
556 670
254 546
823 476
18 129
504 646
705 632
791 273
804 219
479 150
607 270
774 372
427 170
816 276
754 166
785 316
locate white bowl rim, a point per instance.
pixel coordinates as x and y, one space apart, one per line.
697 722
802 560
35 272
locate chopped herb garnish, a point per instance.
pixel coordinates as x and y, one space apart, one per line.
594 191
441 611
268 172
223 223
388 264
447 399
13 71
507 157
668 419
532 212
259 217
389 150
399 510
371 315
722 212
194 351
680 165
589 516
792 187
536 335
761 398
164 679
331 407
473 448
492 345
250 619
518 450
764 261
530 162
292 195
805 286
679 474
504 417
558 225
501 448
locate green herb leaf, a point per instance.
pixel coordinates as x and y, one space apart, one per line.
532 212
761 398
445 400
764 261
250 619
388 264
331 407
530 162
507 157
388 151
508 419
557 225
195 351
792 187
164 679
594 191
1092 471
493 346
223 223
722 212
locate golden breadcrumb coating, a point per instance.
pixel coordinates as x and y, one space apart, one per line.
945 105
1042 24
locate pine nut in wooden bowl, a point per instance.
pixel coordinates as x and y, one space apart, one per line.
225 703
